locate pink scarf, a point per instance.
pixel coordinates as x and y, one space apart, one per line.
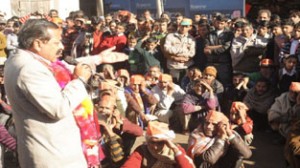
84 117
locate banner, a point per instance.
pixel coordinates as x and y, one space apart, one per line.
231 8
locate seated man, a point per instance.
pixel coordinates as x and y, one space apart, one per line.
118 134
280 113
140 100
215 144
197 102
236 92
259 99
193 73
152 76
159 150
167 93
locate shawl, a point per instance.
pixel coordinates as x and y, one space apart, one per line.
83 115
198 142
260 103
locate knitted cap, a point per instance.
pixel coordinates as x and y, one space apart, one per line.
210 70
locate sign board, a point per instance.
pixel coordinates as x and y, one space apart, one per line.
115 5
171 7
232 8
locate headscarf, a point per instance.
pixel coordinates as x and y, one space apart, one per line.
198 141
165 158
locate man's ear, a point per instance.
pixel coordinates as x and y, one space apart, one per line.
37 45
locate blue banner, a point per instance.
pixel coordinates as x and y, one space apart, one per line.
232 8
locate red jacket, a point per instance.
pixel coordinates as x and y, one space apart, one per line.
114 40
97 37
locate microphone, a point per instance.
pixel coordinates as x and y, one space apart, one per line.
70 60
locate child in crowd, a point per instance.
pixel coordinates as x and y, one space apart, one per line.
241 122
288 73
150 52
135 60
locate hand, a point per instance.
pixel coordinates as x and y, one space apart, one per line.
107 128
83 71
222 133
171 145
108 56
117 116
207 51
170 88
246 80
242 113
143 86
248 138
144 118
207 86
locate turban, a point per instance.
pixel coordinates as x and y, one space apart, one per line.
216 117
236 106
159 130
165 78
137 79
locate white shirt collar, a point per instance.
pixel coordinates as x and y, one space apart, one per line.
284 71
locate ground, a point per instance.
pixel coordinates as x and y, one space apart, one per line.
266 153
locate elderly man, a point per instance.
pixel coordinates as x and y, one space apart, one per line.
167 93
179 48
118 134
215 144
159 151
259 99
44 94
140 100
280 115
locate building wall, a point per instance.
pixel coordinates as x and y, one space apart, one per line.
24 7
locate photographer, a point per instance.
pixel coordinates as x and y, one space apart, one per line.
215 144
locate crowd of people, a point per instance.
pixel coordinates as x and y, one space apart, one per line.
80 90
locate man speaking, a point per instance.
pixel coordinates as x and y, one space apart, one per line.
47 133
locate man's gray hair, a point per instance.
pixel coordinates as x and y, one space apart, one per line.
34 29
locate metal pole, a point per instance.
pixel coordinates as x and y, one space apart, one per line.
100 9
159 8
